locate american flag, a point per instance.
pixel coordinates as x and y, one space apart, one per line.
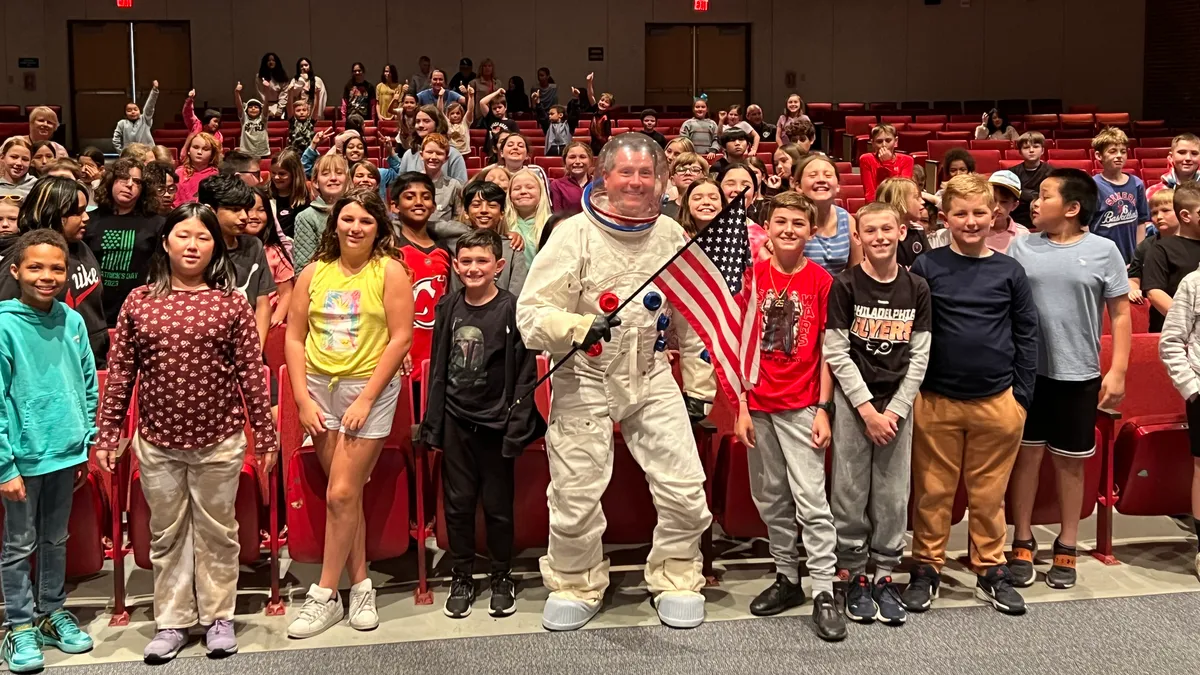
705 283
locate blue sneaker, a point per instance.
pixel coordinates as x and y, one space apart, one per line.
22 650
891 607
860 606
61 629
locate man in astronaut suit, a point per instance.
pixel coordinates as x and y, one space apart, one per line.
621 374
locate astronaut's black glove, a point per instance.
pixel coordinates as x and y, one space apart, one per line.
601 330
697 410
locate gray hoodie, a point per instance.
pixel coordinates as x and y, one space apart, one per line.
138 131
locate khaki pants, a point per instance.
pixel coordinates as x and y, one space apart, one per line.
193 533
979 440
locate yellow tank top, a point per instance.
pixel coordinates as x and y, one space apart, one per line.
347 328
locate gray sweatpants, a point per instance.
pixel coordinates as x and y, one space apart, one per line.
870 490
787 481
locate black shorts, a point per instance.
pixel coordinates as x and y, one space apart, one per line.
1063 416
1193 418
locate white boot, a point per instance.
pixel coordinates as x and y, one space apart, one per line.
563 612
680 609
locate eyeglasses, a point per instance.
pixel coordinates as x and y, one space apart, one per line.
168 190
13 198
689 170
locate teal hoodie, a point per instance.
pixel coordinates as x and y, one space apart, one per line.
48 379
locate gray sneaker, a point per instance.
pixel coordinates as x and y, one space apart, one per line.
166 644
220 639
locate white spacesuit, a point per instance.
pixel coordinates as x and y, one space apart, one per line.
592 260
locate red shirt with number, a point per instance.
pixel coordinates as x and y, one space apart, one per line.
791 320
430 270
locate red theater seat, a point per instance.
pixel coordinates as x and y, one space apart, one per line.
986 161
1060 154
1081 164
1042 122
850 179
1045 506
1120 120
939 148
964 136
860 125
991 145
1077 121
851 191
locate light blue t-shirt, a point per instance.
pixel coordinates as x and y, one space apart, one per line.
1070 284
1118 212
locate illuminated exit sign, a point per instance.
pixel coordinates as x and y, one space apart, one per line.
125 4
698 5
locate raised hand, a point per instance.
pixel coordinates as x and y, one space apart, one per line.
470 91
590 77
154 84
238 88
535 97
191 93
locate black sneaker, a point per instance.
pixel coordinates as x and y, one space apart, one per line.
462 594
887 599
504 595
1020 562
777 597
1062 573
860 606
831 627
995 587
922 589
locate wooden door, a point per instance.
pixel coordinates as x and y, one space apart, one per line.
100 79
669 65
163 51
722 65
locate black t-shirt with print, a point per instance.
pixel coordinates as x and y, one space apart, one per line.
1166 264
123 246
475 369
249 260
881 319
286 214
914 244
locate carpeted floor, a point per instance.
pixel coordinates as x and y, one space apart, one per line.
1152 634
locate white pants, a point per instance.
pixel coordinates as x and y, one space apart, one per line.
579 445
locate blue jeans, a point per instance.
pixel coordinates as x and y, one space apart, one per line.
39 522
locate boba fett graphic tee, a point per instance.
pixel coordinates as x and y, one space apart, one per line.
475 369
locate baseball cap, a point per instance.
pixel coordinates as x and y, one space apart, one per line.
1008 180
465 63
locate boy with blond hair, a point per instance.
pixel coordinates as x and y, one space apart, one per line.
1185 162
1166 224
883 162
1122 211
1075 276
969 416
877 345
1031 172
1173 258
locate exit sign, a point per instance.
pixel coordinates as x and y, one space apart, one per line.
698 5
125 4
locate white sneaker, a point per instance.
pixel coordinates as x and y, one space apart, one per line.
322 609
363 615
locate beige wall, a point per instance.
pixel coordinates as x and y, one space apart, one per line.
852 50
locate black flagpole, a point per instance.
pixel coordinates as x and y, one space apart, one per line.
737 200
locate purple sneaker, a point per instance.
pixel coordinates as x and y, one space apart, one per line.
220 639
165 645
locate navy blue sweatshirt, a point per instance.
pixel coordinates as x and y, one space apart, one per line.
985 326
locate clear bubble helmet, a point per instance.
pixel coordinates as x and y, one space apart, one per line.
630 179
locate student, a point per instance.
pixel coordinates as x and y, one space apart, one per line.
685 169
358 96
783 162
545 94
288 190
677 146
495 120
122 233
883 161
831 245
201 161
1177 346
15 178
330 176
649 122
1171 259
253 140
242 165
47 423
209 122
803 134
1162 214
566 191
1006 188
412 205
968 419
904 196
702 200
1031 172
301 127
514 156
270 82
497 174
350 327
136 126
231 200
1074 274
91 160
261 224
478 366
10 210
600 128
701 131
160 184
188 340
793 111
1185 162
877 347
60 204
734 179
732 119
41 155
995 127
307 87
783 419
735 144
483 209
557 128
388 91
364 175
1123 212
528 210
435 148
430 120
458 118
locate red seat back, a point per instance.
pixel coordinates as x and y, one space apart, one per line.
859 125
1077 120
1000 145
1081 164
938 149
986 161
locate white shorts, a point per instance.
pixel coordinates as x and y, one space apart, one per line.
333 398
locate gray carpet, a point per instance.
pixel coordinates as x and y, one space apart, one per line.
1156 634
